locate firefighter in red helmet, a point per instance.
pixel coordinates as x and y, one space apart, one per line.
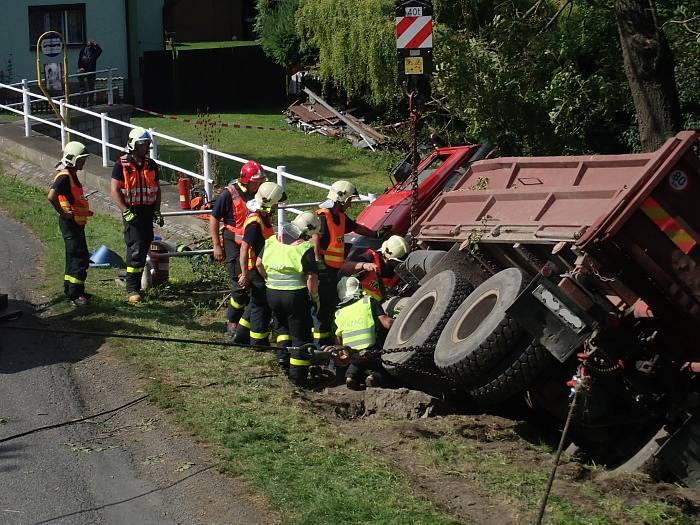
231 209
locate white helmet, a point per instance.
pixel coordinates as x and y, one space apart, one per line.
395 247
269 194
348 288
72 153
307 223
341 191
137 136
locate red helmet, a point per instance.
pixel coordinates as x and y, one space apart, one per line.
252 171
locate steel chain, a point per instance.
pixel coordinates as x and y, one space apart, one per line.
411 368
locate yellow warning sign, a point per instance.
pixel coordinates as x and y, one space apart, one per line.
413 65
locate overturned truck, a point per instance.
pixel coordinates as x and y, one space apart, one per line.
564 273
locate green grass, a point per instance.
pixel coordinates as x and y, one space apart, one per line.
308 471
311 156
189 46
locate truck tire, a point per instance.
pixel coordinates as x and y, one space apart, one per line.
420 262
421 321
480 334
515 374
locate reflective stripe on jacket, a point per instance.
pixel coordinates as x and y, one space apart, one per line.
370 282
334 253
239 211
139 187
355 324
80 209
282 263
266 230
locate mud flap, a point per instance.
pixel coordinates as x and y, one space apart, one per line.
552 318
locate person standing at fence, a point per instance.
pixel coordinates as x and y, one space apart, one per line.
231 209
291 276
87 62
329 249
136 192
67 198
254 326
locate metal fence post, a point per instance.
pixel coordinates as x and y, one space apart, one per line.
208 183
282 181
62 112
110 94
105 139
154 146
27 108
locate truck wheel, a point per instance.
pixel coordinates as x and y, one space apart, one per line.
421 321
480 334
420 262
515 374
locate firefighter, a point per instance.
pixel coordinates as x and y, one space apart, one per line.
361 324
375 269
254 325
291 276
136 192
231 209
67 198
329 250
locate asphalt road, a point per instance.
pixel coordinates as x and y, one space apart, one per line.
71 474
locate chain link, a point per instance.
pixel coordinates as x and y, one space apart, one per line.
411 368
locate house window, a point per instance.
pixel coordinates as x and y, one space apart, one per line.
67 19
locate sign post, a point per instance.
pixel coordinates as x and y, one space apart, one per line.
51 44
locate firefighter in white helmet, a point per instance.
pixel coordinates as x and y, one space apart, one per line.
361 324
67 198
291 276
376 269
136 192
329 249
254 325
231 209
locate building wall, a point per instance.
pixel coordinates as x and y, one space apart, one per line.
205 20
105 22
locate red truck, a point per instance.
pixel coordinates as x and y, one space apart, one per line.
560 275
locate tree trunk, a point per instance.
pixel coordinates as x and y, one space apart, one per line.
649 69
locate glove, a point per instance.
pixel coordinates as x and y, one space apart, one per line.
321 265
384 232
158 218
129 216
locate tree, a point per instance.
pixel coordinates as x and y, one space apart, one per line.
649 67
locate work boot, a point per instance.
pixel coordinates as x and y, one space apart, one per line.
134 298
352 383
371 381
81 300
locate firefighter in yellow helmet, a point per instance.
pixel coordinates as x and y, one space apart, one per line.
135 190
291 276
67 198
254 325
361 324
375 269
329 249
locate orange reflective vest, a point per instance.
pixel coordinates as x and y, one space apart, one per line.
80 209
239 211
265 228
334 253
139 187
370 282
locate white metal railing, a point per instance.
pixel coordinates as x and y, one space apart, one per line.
281 173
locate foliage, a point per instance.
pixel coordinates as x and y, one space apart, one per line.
209 128
275 24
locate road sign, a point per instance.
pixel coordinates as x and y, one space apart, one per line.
414 37
414 32
51 47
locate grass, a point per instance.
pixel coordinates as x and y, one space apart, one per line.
307 470
189 46
311 156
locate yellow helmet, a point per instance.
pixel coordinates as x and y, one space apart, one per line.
341 191
395 247
137 136
269 194
72 153
307 223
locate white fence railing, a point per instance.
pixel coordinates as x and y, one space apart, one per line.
280 172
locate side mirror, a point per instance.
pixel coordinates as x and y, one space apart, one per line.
403 171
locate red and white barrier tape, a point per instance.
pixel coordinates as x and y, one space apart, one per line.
234 125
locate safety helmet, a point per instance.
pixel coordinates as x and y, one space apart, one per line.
348 288
252 171
395 247
269 194
307 222
72 152
137 136
341 191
